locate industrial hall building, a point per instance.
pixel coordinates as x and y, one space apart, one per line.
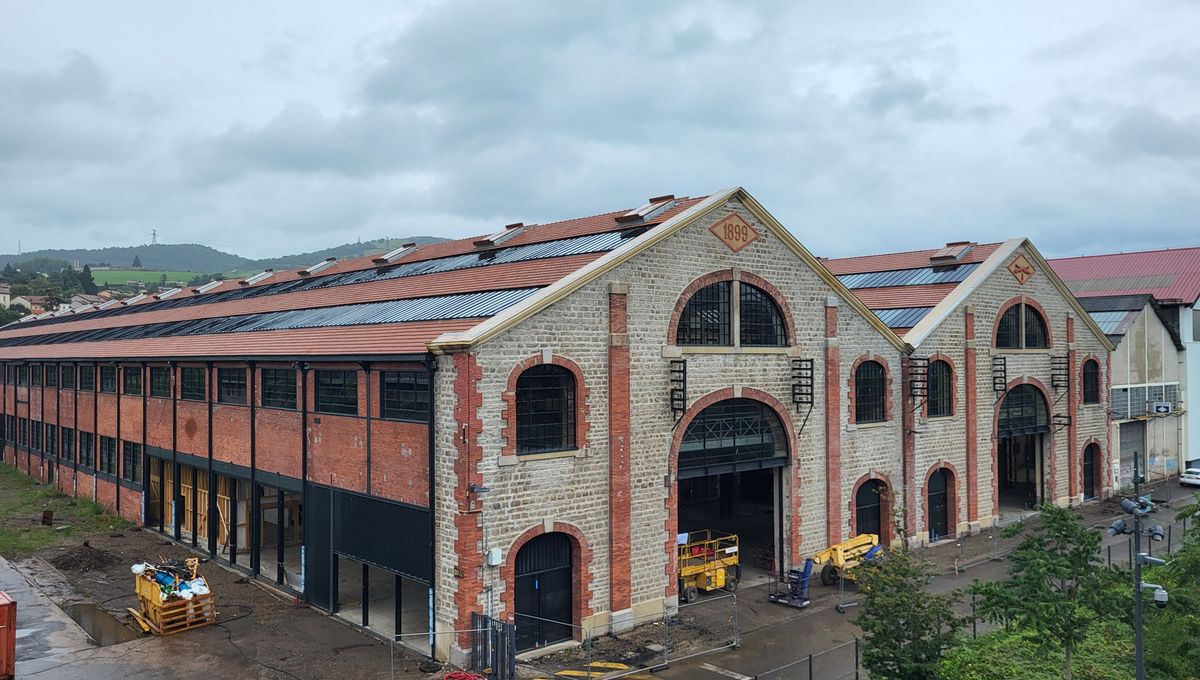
523 424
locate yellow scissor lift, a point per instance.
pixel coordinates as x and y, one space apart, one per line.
708 560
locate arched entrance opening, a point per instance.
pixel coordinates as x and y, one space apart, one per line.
869 509
732 459
1091 471
543 597
939 501
1022 429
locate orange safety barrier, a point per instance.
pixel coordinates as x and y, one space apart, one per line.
8 637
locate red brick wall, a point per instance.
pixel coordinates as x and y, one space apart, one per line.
619 482
971 481
131 419
192 420
131 505
107 418
337 451
158 423
400 461
231 434
106 494
833 430
86 420
278 443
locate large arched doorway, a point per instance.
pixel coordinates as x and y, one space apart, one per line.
1091 469
1022 426
869 514
543 595
732 459
938 503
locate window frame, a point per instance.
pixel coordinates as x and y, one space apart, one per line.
1021 328
66 444
332 398
87 453
51 375
35 375
107 382
409 392
87 378
870 408
232 385
107 456
1089 385
63 381
733 300
131 451
131 380
528 442
946 400
751 296
157 374
267 393
193 392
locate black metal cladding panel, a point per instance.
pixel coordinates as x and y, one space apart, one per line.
592 243
318 550
387 534
908 277
461 306
903 317
544 553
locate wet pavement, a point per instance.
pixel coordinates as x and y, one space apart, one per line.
44 631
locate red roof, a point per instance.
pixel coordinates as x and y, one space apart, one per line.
1171 275
897 297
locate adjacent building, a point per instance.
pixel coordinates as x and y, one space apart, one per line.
524 424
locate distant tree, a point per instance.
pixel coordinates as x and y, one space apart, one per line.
162 279
137 262
86 282
1057 585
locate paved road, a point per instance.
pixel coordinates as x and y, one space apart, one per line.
44 632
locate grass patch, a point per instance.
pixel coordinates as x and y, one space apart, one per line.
22 501
109 276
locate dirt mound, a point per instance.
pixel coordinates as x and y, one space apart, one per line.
83 558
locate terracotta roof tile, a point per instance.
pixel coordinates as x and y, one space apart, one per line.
904 296
906 260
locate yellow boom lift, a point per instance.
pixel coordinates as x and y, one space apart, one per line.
708 560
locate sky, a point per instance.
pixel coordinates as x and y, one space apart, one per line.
269 128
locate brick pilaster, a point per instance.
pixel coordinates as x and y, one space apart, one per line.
833 427
908 446
971 476
468 546
619 483
1073 471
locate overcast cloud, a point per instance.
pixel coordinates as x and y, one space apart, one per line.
273 127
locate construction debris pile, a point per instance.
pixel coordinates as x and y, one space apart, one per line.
175 579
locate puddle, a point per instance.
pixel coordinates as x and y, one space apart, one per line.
103 629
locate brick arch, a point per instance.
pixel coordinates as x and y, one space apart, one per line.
730 275
1050 457
851 405
1099 383
1101 468
951 493
671 525
885 511
1027 300
581 579
508 415
939 356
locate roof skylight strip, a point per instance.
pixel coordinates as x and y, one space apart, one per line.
908 277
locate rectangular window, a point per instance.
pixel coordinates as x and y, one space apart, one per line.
66 449
108 378
231 386
279 388
132 376
52 440
35 441
108 456
192 383
51 376
87 449
131 462
404 395
337 392
35 375
22 375
87 378
160 381
22 432
68 377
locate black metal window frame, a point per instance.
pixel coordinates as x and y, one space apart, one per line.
67 378
22 431
733 431
336 391
87 449
760 322
22 375
51 375
1091 381
131 380
404 395
51 443
1022 326
160 381
707 318
131 462
231 385
1023 411
279 388
193 383
545 405
870 392
108 379
35 435
107 463
941 389
35 375
87 378
66 449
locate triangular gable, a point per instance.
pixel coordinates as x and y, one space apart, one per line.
997 259
459 341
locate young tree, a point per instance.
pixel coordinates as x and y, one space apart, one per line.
137 262
1057 585
906 627
87 282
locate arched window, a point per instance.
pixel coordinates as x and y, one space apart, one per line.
869 393
545 409
1091 382
941 389
734 433
868 508
707 318
760 319
1022 327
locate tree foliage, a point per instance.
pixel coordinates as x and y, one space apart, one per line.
1105 653
906 627
1057 586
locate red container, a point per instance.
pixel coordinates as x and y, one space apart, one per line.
8 637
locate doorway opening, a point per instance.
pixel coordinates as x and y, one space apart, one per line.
1022 426
543 599
1091 470
939 503
732 463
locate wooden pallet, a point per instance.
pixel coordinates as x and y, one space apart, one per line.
173 616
